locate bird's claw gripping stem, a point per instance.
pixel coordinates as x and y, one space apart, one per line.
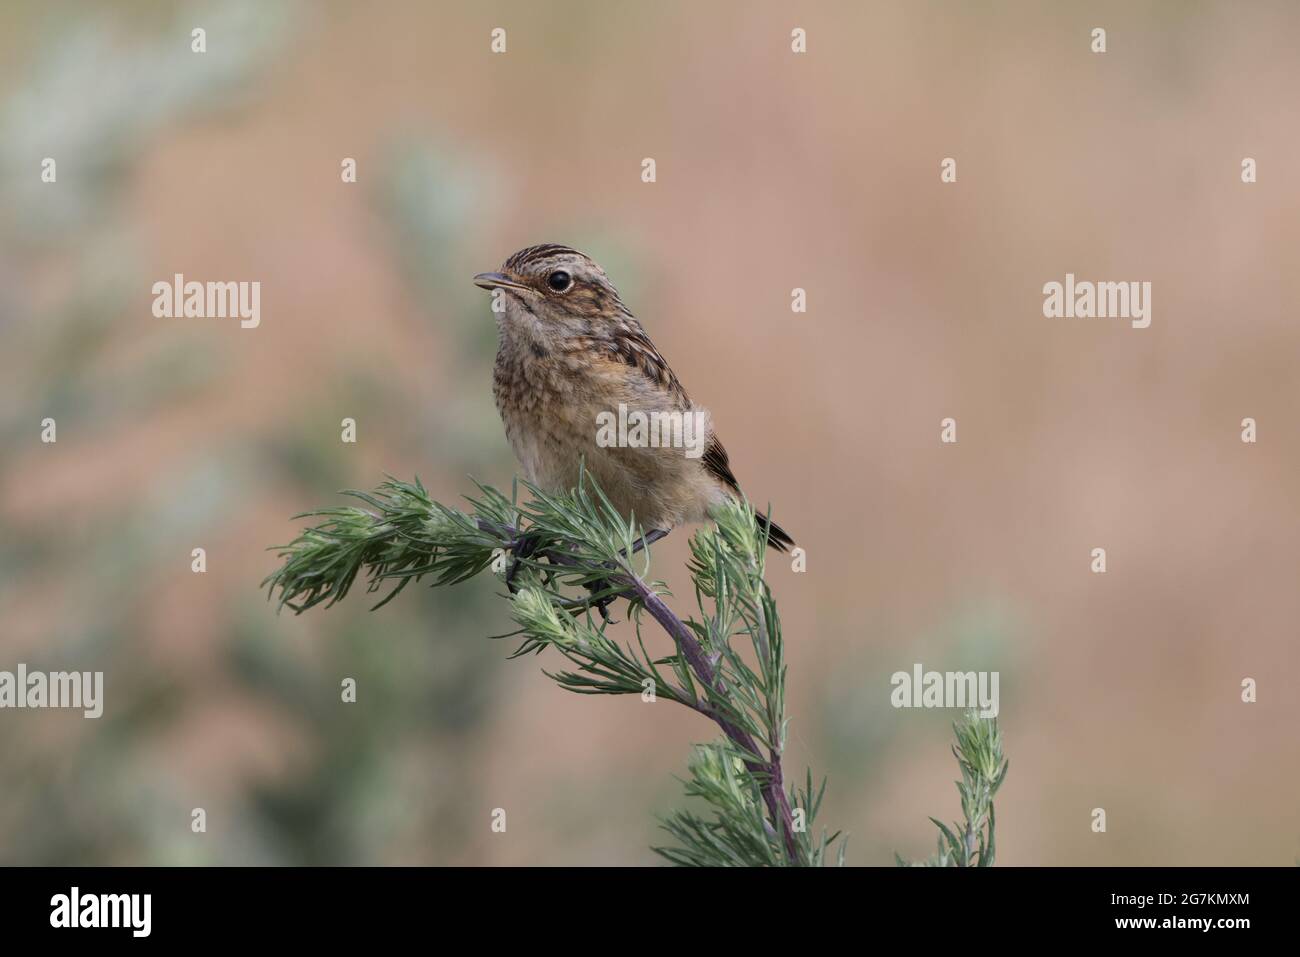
520 549
524 547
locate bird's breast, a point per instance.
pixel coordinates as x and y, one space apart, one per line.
541 402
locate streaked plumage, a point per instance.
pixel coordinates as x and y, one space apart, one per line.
567 355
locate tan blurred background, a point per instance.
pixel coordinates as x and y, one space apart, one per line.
775 170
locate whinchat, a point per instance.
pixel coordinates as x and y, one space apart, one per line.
571 355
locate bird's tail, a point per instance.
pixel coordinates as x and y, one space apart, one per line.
776 535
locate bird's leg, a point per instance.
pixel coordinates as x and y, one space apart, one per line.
576 605
648 539
596 586
601 605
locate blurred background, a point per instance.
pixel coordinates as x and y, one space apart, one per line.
774 171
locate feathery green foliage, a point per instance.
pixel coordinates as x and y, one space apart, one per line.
983 768
567 556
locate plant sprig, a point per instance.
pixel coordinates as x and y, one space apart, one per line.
555 545
970 842
562 556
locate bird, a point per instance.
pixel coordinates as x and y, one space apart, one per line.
570 357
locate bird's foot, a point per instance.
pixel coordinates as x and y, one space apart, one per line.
602 592
605 585
576 606
602 603
520 550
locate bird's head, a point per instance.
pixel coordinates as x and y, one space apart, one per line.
553 290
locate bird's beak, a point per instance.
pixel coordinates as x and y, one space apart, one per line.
496 280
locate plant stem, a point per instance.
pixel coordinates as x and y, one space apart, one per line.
768 774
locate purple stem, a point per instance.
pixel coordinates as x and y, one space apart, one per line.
767 773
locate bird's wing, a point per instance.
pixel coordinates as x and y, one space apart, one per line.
719 466
630 346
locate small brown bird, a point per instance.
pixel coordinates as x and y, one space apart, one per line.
578 380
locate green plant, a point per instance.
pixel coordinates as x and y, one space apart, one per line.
978 751
564 556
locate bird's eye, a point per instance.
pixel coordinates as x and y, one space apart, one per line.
559 280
